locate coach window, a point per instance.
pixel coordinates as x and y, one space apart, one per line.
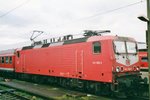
6 60
2 60
144 59
96 47
10 60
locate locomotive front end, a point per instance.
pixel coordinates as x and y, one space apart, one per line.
126 70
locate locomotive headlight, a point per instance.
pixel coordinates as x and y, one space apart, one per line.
121 69
117 69
135 68
138 69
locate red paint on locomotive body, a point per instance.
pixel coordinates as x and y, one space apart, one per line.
97 59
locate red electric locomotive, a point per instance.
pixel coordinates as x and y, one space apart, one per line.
95 63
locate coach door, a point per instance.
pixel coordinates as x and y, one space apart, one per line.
80 63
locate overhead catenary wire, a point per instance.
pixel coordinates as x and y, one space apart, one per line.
99 14
85 18
104 12
81 19
6 13
112 10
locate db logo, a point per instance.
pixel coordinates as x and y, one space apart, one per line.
127 62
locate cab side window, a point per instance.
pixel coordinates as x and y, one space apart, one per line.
96 47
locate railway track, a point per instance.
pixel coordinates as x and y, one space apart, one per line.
8 93
142 98
47 92
138 98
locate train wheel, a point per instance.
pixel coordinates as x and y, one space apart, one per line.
97 89
35 79
70 82
64 83
90 87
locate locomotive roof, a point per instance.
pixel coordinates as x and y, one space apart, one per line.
97 38
73 41
78 40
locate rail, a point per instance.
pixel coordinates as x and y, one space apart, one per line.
8 93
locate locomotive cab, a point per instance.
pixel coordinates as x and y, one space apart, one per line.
126 69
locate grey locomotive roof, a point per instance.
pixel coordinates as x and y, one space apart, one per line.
73 41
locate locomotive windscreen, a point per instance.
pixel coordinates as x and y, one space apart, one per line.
125 47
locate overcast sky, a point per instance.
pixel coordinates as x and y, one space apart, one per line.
58 17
